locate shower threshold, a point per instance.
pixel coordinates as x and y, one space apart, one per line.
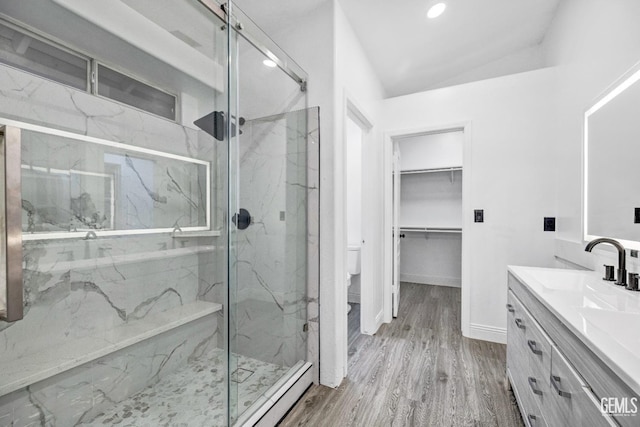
195 395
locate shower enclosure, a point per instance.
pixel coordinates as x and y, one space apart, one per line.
159 236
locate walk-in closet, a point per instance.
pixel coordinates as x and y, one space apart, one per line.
430 207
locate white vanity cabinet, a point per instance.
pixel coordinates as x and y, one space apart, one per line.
556 378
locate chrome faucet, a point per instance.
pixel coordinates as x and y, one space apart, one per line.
622 257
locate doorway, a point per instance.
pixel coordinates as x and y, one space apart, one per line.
354 147
426 188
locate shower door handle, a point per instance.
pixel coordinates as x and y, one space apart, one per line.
11 303
242 219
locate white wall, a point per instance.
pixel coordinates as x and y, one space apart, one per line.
324 45
430 151
431 200
358 85
592 43
510 174
431 258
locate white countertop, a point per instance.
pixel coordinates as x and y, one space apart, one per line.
606 317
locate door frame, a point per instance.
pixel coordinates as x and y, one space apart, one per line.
467 217
395 224
369 321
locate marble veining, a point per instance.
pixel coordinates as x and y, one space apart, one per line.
193 396
34 367
70 184
271 308
96 287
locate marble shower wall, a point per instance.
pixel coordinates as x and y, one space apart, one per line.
70 184
81 394
77 289
273 292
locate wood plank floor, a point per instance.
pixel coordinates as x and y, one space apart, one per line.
416 371
354 328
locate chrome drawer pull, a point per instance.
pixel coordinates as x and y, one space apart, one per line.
554 382
532 346
533 383
519 323
510 308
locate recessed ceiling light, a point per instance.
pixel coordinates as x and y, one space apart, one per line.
436 10
269 63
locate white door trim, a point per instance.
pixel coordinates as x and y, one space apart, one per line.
370 320
467 216
395 282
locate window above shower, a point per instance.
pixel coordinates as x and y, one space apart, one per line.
29 52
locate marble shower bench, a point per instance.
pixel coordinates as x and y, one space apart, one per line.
28 370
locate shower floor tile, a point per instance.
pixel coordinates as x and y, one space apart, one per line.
193 396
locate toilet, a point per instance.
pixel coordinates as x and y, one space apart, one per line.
353 265
353 259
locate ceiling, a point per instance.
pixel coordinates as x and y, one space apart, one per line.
471 40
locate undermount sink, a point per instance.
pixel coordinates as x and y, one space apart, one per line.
554 279
614 324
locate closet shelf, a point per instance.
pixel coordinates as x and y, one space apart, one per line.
37 366
427 229
431 170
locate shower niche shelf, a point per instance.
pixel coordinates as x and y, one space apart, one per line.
135 258
26 370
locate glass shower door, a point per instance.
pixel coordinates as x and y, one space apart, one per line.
268 229
123 222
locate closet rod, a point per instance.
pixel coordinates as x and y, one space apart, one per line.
413 171
432 229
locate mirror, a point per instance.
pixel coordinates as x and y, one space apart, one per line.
72 184
612 163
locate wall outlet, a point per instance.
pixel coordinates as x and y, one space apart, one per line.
634 253
549 223
478 215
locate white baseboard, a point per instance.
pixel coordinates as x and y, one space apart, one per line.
453 282
487 333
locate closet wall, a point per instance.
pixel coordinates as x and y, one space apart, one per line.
431 208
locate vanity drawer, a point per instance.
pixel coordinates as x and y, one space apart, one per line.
537 390
517 358
517 318
538 347
572 403
535 343
529 409
531 385
591 413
